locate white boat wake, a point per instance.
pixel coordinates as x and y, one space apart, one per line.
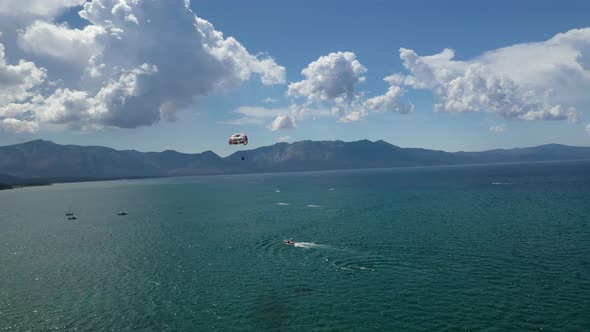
308 245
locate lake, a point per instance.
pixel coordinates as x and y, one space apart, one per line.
485 247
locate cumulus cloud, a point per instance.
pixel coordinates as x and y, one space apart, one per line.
391 101
352 116
59 41
472 86
17 81
497 129
284 138
66 106
559 66
235 57
588 128
330 77
283 122
140 62
135 63
532 81
45 8
331 80
18 126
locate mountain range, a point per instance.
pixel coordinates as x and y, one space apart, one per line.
45 161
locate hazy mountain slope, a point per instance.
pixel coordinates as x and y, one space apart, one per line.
44 159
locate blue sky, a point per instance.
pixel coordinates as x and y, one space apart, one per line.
509 83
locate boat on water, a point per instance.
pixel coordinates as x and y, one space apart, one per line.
72 218
69 214
289 242
122 213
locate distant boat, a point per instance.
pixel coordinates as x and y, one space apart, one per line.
72 218
122 213
70 214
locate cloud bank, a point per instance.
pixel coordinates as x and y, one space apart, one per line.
532 81
545 80
136 63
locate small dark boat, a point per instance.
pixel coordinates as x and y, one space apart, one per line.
122 213
72 218
69 214
289 242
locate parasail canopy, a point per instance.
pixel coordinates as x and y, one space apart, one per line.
238 138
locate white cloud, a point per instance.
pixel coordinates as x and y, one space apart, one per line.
59 41
140 62
559 66
131 18
353 116
391 101
470 87
588 128
137 62
270 100
284 138
18 126
46 8
497 129
532 81
330 77
17 81
65 107
331 81
282 122
234 55
129 101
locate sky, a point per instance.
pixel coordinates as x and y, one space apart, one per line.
153 75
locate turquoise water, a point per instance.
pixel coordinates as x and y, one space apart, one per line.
497 247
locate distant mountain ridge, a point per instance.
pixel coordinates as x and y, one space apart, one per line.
42 159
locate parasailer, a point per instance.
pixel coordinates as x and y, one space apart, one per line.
239 138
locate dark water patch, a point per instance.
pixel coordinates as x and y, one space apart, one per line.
272 310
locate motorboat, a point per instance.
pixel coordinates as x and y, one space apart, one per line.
289 242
